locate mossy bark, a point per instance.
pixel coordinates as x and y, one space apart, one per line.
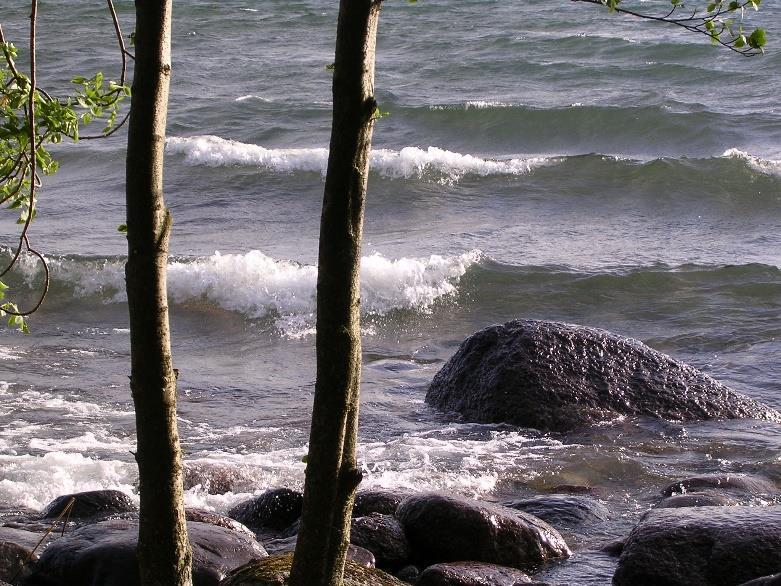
164 553
332 474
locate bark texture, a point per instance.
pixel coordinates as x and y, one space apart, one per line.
164 553
332 474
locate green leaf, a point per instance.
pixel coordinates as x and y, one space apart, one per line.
757 39
122 228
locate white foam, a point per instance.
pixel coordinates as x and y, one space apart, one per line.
8 353
766 166
34 481
258 286
99 439
409 162
251 97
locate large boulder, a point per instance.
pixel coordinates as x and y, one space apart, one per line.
444 528
378 500
274 571
17 547
105 553
702 546
555 376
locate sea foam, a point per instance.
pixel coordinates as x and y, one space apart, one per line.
259 286
766 166
410 162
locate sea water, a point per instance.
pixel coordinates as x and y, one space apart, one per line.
538 160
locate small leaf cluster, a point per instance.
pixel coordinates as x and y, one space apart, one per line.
24 145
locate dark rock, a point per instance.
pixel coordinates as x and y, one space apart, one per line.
743 484
555 376
443 528
614 548
384 536
17 547
275 509
356 553
696 499
274 571
378 501
93 503
701 546
408 574
203 516
774 580
562 510
471 574
105 553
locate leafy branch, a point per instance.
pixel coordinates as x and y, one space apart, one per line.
721 20
31 120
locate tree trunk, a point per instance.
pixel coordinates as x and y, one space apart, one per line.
164 552
332 475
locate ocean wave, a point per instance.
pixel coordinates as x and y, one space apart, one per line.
259 286
408 163
766 166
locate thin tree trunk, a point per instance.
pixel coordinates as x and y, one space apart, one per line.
332 475
164 551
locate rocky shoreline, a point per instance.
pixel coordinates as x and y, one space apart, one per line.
720 529
428 539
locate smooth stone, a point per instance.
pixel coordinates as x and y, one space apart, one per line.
696 499
93 503
557 377
446 528
471 574
736 483
276 509
16 548
562 510
701 546
378 501
355 553
384 536
408 574
274 571
105 553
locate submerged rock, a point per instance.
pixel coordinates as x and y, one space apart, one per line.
105 553
696 499
730 483
443 528
562 510
274 571
701 546
556 376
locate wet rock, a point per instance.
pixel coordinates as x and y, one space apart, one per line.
408 574
105 553
384 536
471 574
774 580
614 548
378 501
212 518
442 528
701 546
557 377
216 477
562 510
734 483
16 548
275 509
356 553
90 504
274 571
696 499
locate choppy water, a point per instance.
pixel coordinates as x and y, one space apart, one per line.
539 161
